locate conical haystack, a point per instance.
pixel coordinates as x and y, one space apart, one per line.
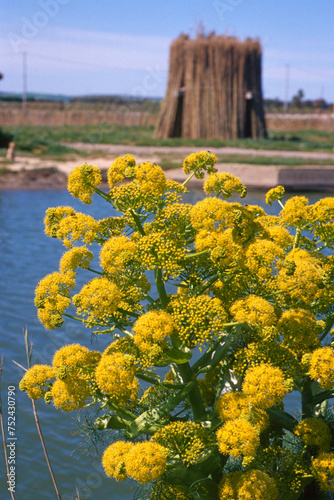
214 89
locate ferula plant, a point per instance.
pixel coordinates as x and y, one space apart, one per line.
211 314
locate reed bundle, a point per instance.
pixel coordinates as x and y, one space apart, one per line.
214 89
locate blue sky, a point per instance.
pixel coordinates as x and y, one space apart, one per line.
80 47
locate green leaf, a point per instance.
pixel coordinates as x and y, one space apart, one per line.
204 489
282 419
179 356
112 422
154 418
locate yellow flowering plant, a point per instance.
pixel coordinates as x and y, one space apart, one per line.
214 313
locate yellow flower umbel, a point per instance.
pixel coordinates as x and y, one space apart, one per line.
146 461
264 385
295 212
262 258
37 381
116 172
70 359
314 432
82 180
224 184
238 438
275 194
97 301
322 367
52 218
323 469
113 460
255 311
199 163
187 441
153 331
300 279
74 258
300 330
70 394
232 405
250 485
77 227
199 319
117 254
52 298
115 375
211 213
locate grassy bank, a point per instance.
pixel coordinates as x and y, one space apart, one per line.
56 142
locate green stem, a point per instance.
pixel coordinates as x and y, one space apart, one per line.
188 179
160 287
198 254
137 222
297 238
93 271
194 396
101 193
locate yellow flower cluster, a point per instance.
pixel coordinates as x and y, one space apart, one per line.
268 351
300 279
115 375
117 254
250 485
71 394
187 441
300 330
264 385
275 194
97 301
117 171
199 163
199 318
150 178
323 469
236 405
52 298
113 460
314 432
160 250
255 311
37 381
153 327
263 258
295 212
53 217
322 367
224 184
144 462
68 382
238 437
74 258
77 227
82 180
210 214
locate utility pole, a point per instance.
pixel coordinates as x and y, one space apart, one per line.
287 76
24 74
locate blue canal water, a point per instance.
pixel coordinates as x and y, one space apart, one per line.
26 256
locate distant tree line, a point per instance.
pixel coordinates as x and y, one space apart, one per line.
297 104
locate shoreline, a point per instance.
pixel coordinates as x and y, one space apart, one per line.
28 172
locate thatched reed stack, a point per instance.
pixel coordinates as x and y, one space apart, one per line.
214 89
